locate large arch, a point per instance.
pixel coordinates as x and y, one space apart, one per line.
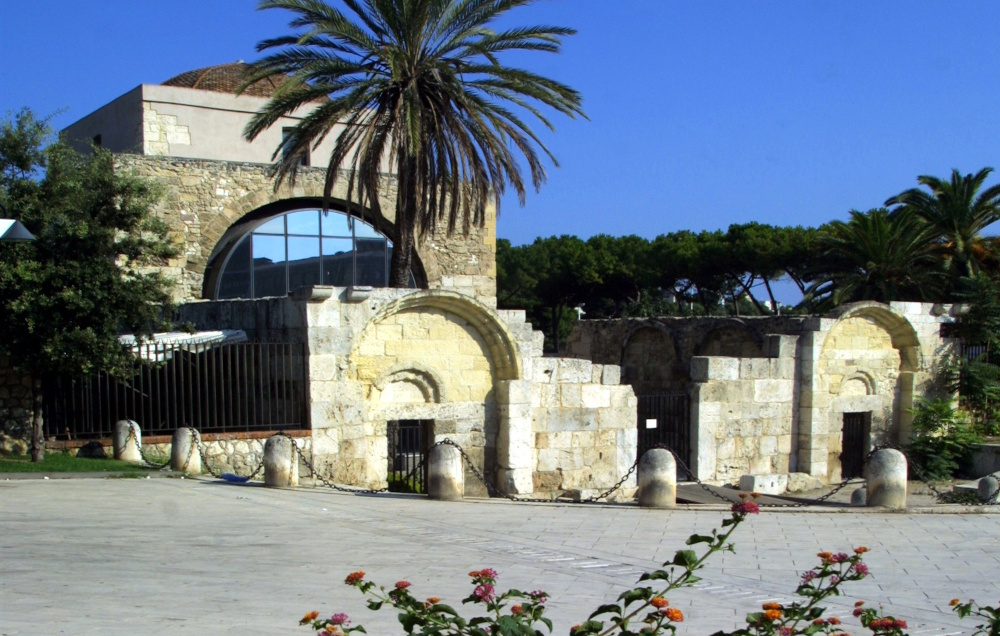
730 338
648 358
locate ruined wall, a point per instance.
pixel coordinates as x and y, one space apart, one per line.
203 199
744 410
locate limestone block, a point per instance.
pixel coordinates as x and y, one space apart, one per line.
547 395
611 374
573 370
595 396
561 440
768 445
570 395
281 466
726 449
885 474
772 390
445 473
517 481
582 439
764 484
127 442
657 479
754 368
704 368
780 346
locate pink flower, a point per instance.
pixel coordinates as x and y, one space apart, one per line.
402 585
746 508
539 596
488 573
484 593
339 619
785 631
840 557
861 569
808 576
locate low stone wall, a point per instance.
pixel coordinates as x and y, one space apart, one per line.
15 409
584 429
986 460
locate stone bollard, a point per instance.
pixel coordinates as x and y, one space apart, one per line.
281 465
859 497
657 479
184 455
886 479
989 490
445 475
127 441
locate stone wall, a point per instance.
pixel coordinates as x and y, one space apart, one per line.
203 199
15 409
744 411
584 427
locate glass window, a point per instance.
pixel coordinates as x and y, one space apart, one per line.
303 248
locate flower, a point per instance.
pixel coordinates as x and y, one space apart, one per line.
484 592
834 579
819 622
785 631
433 600
339 619
746 508
308 618
861 569
833 620
402 585
860 549
859 603
488 573
675 615
808 576
539 596
840 557
858 611
355 577
755 495
953 602
826 556
517 609
659 602
771 606
772 614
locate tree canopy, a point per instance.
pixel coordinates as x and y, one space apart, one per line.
420 91
66 296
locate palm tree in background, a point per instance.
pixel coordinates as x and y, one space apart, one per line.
419 89
876 255
957 212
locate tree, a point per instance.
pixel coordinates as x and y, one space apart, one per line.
419 88
957 212
66 296
876 255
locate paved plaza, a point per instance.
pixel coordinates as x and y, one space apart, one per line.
201 557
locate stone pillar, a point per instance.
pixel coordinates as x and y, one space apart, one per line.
516 438
281 462
886 479
445 474
658 479
184 455
127 441
989 490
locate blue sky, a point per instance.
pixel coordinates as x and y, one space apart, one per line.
702 114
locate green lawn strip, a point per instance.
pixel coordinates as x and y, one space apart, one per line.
64 463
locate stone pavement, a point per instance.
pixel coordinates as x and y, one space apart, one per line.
197 557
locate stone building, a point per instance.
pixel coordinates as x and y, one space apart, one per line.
783 394
273 264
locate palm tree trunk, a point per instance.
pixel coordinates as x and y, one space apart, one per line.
406 219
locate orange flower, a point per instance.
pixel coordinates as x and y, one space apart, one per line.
355 577
517 609
755 495
825 555
954 602
771 606
433 600
659 602
772 614
833 620
859 604
675 615
860 549
308 618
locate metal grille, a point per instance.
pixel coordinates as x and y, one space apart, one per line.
664 418
408 442
225 388
854 446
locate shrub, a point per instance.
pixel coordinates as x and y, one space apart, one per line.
943 439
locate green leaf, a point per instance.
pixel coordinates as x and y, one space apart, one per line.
699 538
686 558
375 605
606 609
636 594
657 575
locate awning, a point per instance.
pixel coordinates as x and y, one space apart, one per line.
161 346
11 230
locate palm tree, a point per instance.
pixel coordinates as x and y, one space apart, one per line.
876 255
418 88
957 212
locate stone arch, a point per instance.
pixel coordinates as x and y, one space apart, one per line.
731 338
425 381
648 358
866 365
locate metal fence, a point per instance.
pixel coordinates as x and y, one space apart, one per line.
222 388
664 418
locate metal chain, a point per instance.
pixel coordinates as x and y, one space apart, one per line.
942 496
326 482
135 440
201 452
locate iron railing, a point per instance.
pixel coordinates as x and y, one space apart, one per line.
221 388
664 419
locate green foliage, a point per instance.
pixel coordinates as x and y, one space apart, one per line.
977 380
943 439
86 278
418 85
66 463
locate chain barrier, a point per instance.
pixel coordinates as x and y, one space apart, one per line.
297 452
135 440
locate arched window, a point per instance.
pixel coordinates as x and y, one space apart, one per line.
302 248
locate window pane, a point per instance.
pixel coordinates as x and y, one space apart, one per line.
235 279
338 262
304 222
363 230
269 266
372 269
303 261
274 226
334 224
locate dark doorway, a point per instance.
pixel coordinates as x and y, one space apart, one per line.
409 441
663 419
854 447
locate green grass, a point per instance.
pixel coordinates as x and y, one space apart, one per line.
65 463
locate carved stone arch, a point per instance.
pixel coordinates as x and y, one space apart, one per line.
648 357
712 343
901 332
423 378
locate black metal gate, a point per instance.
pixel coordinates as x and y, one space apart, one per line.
408 441
664 418
219 388
854 446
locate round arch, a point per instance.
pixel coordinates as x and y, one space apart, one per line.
713 334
